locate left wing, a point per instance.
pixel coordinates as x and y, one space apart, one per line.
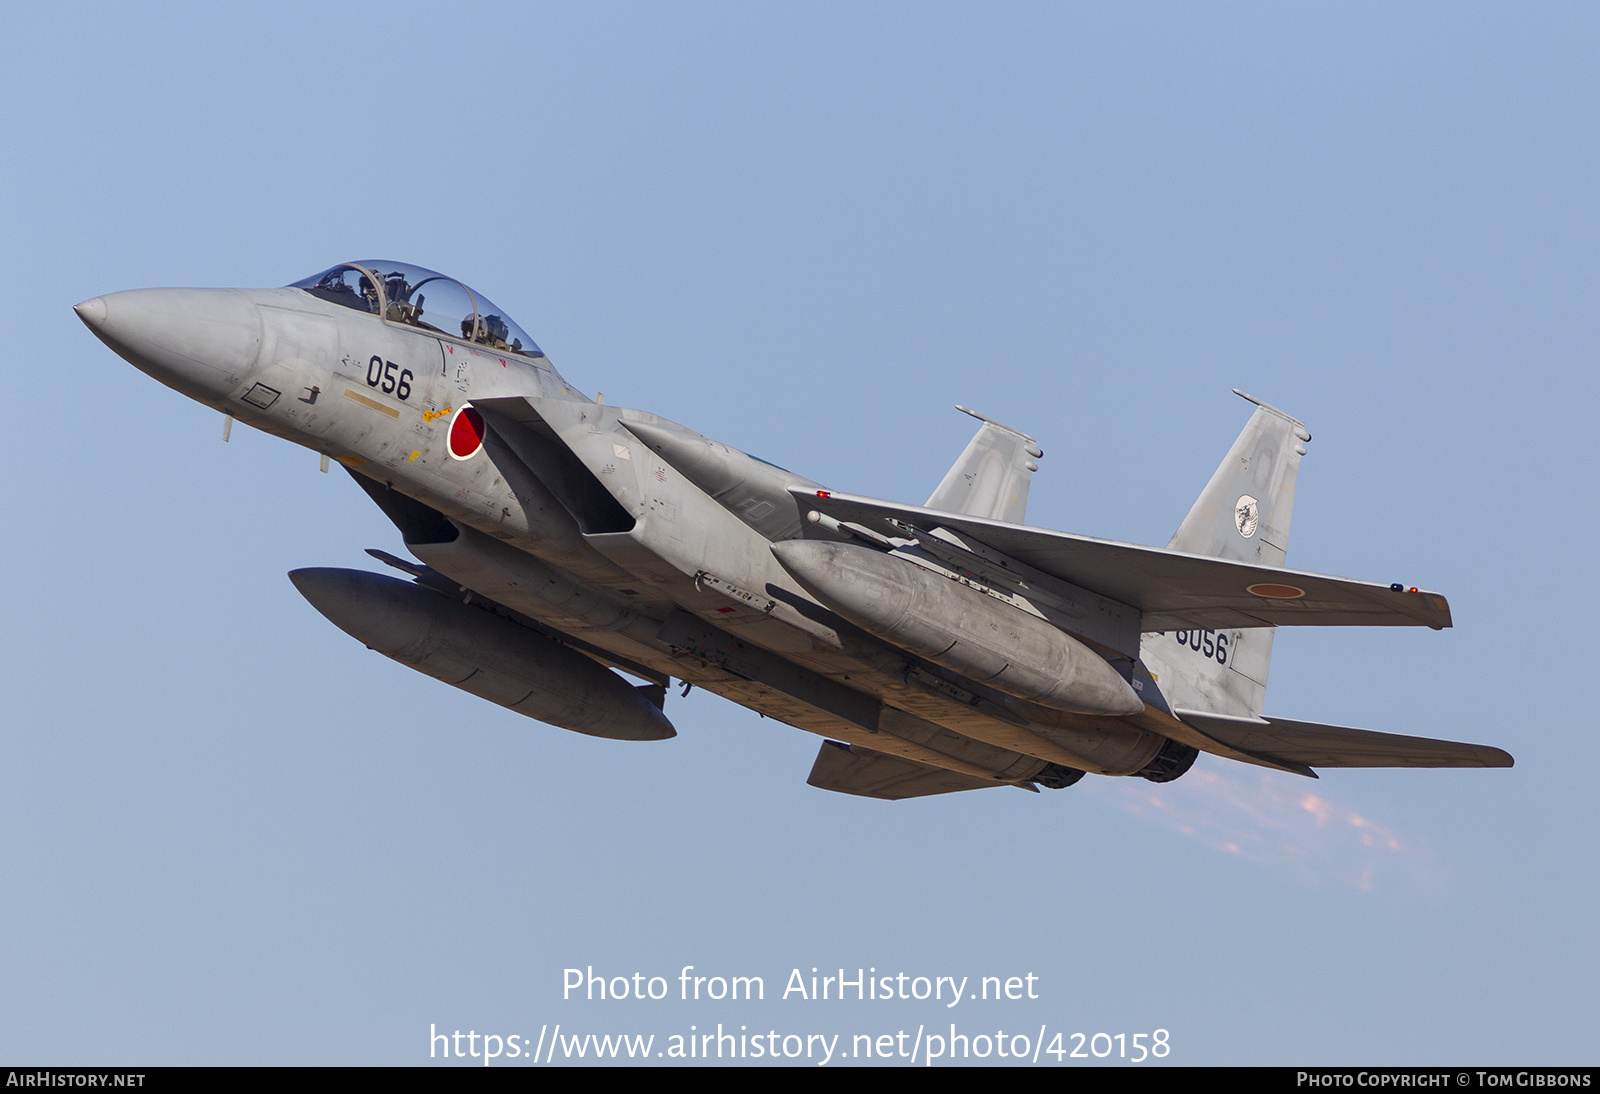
1173 590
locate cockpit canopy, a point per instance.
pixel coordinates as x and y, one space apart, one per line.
415 297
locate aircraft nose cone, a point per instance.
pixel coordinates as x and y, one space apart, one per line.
202 342
92 312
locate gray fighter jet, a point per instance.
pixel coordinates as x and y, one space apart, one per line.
935 648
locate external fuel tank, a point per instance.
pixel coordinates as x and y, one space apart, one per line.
958 627
491 657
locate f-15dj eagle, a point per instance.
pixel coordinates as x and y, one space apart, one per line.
936 648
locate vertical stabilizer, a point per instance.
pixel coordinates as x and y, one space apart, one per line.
991 478
1243 514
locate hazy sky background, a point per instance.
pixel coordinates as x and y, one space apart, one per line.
229 834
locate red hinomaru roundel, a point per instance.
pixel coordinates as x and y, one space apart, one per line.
466 433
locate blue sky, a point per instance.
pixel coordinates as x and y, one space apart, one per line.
228 834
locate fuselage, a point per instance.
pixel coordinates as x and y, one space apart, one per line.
650 548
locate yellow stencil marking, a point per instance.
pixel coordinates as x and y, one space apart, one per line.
430 415
414 454
373 403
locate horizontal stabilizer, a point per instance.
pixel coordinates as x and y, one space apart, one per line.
1317 745
875 775
1173 590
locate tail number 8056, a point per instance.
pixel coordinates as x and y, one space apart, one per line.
1211 643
